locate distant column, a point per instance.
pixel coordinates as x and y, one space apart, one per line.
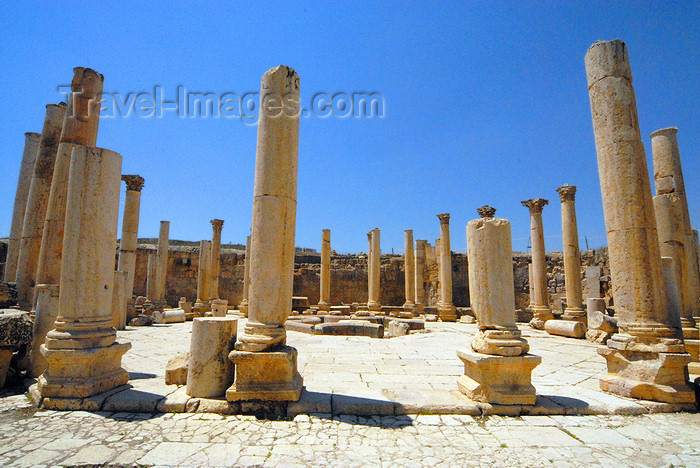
151 273
409 272
646 358
446 310
217 225
200 305
572 255
243 306
325 286
420 275
540 309
162 265
375 271
26 169
130 232
37 203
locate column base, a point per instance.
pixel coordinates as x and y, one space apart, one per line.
267 376
647 375
575 315
540 315
80 373
447 312
693 348
498 380
374 306
690 330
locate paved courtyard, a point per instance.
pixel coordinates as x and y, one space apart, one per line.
402 381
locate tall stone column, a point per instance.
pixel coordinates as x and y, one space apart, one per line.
572 255
266 369
446 310
437 251
243 306
325 287
162 265
130 232
151 277
531 286
201 305
26 169
373 303
37 203
217 225
673 224
83 356
497 369
646 358
420 275
695 260
540 309
409 273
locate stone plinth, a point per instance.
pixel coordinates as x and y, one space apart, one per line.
219 307
446 310
540 295
497 379
268 376
210 372
646 358
570 328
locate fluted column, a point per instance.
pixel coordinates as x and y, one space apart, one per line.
24 181
420 301
37 203
130 232
217 225
540 309
646 358
243 306
446 310
572 255
325 286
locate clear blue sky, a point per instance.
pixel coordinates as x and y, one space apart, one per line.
485 103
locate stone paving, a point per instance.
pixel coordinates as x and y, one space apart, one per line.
415 374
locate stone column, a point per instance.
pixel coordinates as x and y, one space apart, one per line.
130 232
83 356
540 309
324 303
572 255
446 310
673 224
373 303
420 275
151 273
26 169
409 273
593 274
531 286
266 369
37 203
119 301
217 225
243 306
201 305
646 358
498 370
437 251
162 266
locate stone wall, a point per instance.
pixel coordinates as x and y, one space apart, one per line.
349 276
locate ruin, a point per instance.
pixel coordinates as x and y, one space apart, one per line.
540 300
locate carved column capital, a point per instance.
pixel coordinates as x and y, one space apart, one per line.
567 192
486 211
444 218
133 182
535 204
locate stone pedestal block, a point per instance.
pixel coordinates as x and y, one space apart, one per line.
267 376
570 328
647 376
498 379
46 312
219 307
210 372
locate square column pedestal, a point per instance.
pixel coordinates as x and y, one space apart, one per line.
267 376
647 376
500 380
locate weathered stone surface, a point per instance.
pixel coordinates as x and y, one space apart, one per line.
413 324
351 328
142 321
176 370
570 328
266 376
219 307
170 316
210 372
299 326
397 328
15 328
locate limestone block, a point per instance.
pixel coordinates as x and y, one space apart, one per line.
219 307
5 358
210 372
142 321
569 328
298 326
351 328
413 323
431 318
170 316
397 328
467 319
176 370
267 376
502 380
599 321
15 328
300 303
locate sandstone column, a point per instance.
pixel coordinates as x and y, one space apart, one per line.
37 203
201 305
266 369
26 169
83 356
243 306
420 275
217 225
446 310
572 255
646 358
130 232
498 370
151 273
531 286
540 309
162 266
409 273
673 224
374 270
324 303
